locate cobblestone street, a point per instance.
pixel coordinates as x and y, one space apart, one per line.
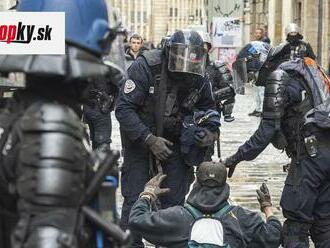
248 175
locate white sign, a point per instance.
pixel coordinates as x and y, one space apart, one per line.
32 33
226 32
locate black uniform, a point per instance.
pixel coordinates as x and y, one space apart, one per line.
222 86
305 198
135 111
97 111
44 165
171 227
223 94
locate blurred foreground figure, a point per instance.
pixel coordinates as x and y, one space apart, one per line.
48 177
207 219
296 118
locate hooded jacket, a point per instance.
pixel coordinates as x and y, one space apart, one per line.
171 227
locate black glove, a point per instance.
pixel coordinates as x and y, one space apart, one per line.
205 138
231 163
105 102
152 188
159 147
264 197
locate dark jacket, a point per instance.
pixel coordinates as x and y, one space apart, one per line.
266 39
171 227
291 118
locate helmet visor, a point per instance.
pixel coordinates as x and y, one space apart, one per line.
188 59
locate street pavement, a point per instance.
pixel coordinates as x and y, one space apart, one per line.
248 176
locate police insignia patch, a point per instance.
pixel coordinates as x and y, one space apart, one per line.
129 86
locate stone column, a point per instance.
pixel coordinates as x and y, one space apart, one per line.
160 20
142 3
173 16
148 23
272 19
129 18
287 15
135 11
310 22
326 34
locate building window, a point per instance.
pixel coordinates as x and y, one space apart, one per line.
145 16
173 12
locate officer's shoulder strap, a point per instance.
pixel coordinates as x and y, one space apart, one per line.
153 59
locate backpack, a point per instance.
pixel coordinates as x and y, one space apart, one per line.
317 84
207 230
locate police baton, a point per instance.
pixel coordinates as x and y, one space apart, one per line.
231 171
218 146
110 229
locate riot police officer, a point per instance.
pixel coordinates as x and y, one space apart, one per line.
222 86
176 75
223 89
221 80
291 122
45 164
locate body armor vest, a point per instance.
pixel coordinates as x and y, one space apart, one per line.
178 100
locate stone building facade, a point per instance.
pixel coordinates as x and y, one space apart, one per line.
313 16
154 19
6 4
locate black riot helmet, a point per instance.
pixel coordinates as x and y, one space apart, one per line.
250 59
212 174
186 53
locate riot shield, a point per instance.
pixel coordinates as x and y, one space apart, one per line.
240 76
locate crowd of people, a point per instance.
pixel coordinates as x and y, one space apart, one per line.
56 191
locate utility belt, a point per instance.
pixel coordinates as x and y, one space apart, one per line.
308 147
315 141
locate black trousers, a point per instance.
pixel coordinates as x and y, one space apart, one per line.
135 174
306 201
100 125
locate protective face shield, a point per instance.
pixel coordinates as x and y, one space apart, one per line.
186 53
250 59
188 59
